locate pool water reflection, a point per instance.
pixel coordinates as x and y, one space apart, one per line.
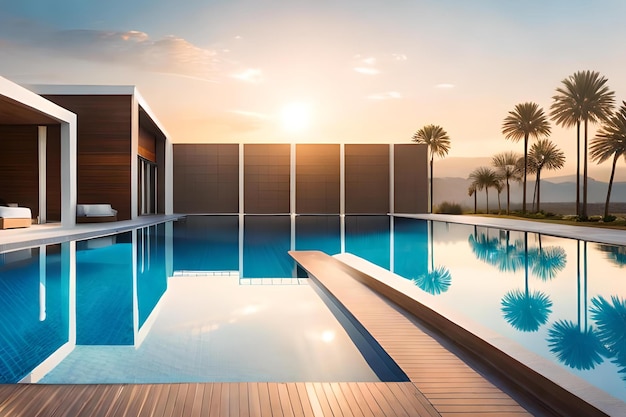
562 299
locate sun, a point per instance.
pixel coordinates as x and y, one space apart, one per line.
296 117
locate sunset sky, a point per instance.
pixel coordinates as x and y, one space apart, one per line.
323 71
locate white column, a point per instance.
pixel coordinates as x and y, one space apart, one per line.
342 196
134 152
392 179
292 194
169 177
42 132
241 207
68 269
42 282
135 294
68 173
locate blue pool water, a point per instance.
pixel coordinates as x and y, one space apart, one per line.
561 299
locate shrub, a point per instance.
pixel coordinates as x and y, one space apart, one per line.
608 219
449 208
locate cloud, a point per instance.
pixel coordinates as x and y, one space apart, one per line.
444 86
367 70
399 57
169 54
369 61
250 75
389 95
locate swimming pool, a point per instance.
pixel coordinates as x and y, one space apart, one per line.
157 305
557 300
555 303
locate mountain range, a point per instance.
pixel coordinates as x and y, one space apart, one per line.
455 190
451 184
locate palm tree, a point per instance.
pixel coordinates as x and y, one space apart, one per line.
525 121
499 186
505 164
483 178
438 142
610 141
471 191
544 154
584 97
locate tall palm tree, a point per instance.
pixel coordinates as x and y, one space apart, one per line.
438 143
583 97
483 178
525 121
610 141
505 164
544 154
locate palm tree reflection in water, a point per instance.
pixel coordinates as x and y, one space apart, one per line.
577 346
436 280
611 320
525 310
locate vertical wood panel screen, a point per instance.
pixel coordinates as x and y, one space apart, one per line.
410 178
266 178
317 178
367 179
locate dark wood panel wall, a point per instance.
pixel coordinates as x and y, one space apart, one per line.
104 148
19 166
206 178
367 179
266 178
410 178
318 179
147 145
53 173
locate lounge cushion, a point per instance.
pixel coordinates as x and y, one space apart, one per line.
95 210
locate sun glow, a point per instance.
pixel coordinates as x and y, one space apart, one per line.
296 117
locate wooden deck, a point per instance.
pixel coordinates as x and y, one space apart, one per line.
441 384
449 384
216 399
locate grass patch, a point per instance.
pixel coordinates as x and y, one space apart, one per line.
618 223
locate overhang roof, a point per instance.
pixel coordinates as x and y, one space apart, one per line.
13 112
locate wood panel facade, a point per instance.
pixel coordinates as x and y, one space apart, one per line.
147 145
206 178
410 178
367 179
318 179
267 178
19 166
104 149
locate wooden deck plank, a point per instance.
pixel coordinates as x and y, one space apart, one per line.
233 399
333 401
322 401
276 406
285 401
244 401
361 401
348 396
294 398
305 400
216 397
254 402
224 400
194 409
264 395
